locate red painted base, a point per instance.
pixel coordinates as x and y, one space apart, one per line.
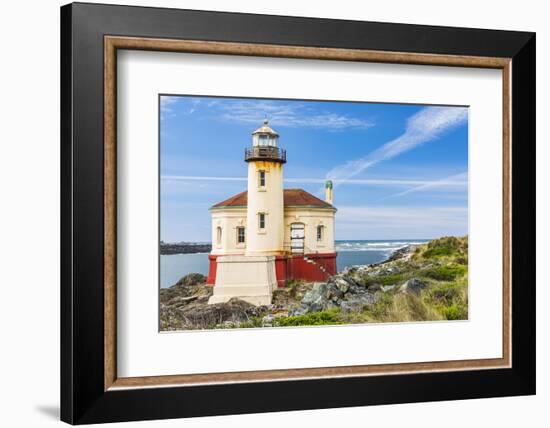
311 267
211 280
308 267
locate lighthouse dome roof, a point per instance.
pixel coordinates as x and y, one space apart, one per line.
265 129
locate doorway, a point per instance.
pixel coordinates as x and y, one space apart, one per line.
297 238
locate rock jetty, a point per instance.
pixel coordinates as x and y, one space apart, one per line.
184 248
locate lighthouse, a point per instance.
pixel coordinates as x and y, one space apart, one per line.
265 212
267 235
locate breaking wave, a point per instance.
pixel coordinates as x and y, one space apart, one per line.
385 246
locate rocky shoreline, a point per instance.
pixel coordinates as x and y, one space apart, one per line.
184 248
424 282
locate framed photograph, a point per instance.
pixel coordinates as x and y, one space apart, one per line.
266 213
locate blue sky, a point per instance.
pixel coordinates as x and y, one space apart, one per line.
400 171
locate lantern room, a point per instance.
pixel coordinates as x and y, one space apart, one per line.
265 136
265 146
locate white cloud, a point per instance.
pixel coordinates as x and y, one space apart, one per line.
453 182
399 213
194 104
167 106
399 222
428 124
413 184
166 103
295 115
200 178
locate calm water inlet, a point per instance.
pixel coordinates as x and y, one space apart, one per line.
174 267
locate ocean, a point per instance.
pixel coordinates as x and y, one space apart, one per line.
360 252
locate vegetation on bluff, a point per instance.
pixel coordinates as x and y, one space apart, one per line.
424 283
441 266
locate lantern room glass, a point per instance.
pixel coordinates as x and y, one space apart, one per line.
264 140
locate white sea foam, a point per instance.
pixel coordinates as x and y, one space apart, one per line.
381 246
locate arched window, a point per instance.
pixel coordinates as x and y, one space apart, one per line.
218 235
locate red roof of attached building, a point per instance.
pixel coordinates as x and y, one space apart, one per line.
291 197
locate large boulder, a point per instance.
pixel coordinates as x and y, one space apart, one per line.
333 293
321 297
290 294
184 293
316 298
234 312
392 270
357 302
191 279
413 285
341 283
340 291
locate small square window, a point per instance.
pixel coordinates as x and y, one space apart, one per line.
261 178
261 221
240 235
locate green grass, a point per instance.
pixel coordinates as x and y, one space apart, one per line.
291 283
330 317
443 247
449 247
442 300
449 298
440 252
443 265
253 322
455 312
400 308
445 272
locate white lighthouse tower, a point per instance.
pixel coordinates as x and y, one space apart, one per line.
265 209
252 276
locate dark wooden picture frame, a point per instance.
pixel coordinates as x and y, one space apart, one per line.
90 37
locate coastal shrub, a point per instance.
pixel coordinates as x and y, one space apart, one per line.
447 293
294 290
392 279
445 272
449 246
461 260
450 299
415 308
291 283
315 318
253 322
455 312
380 311
401 307
440 252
